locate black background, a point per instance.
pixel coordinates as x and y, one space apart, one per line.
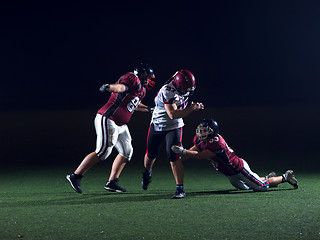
256 64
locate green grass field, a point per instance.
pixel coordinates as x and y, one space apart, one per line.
39 204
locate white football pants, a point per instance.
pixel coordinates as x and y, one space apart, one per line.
247 179
111 135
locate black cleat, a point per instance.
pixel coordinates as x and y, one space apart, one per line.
113 186
146 179
74 180
179 194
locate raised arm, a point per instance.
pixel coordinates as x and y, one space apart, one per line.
116 88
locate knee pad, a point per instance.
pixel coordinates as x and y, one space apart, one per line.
126 151
129 154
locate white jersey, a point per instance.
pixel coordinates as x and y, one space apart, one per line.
168 94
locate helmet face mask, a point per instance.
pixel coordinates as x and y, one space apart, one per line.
146 75
203 132
206 128
189 92
149 83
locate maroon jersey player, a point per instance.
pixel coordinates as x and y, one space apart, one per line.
111 125
209 144
121 105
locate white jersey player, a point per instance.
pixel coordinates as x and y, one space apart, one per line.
166 124
168 94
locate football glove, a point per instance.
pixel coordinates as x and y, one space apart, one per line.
178 150
104 87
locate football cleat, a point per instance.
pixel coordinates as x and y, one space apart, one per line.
270 175
74 180
146 179
113 186
289 178
179 194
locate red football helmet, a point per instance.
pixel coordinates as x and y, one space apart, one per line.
185 82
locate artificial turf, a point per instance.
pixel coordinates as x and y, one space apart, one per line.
38 203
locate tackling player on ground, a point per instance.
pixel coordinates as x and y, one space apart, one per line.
111 125
208 144
166 124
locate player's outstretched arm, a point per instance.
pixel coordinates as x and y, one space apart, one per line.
192 152
116 88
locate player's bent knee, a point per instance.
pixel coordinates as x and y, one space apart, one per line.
105 154
103 158
173 157
128 157
127 153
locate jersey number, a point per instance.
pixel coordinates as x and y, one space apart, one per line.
216 139
133 104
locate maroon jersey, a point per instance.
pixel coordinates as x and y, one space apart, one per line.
120 106
225 160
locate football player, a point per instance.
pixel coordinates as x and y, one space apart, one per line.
208 144
166 124
111 125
